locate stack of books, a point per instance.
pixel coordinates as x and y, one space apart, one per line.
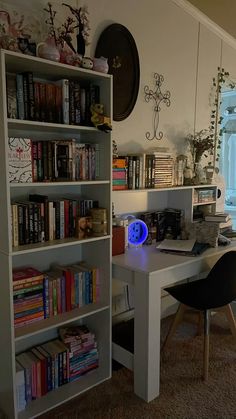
53 160
225 222
39 296
71 287
43 219
224 219
45 368
219 217
63 101
82 346
143 171
119 174
163 170
28 296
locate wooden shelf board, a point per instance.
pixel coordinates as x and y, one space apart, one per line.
49 68
54 244
56 321
53 184
64 393
171 188
197 204
48 126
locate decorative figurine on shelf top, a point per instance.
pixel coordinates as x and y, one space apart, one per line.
87 62
48 50
98 118
101 64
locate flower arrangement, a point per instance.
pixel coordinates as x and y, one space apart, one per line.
59 34
63 34
201 144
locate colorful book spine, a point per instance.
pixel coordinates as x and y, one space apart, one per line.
20 96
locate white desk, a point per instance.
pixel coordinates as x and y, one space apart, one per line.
149 271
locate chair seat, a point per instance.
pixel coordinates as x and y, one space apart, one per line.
215 291
200 294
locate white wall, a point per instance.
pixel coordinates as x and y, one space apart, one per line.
166 38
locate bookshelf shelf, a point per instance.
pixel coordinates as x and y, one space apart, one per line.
60 319
53 184
33 126
177 197
63 394
42 256
172 188
54 244
197 204
51 69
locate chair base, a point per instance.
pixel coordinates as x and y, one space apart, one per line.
227 310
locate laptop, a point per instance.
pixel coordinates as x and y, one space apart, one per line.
184 249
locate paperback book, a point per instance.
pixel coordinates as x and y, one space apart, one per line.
20 160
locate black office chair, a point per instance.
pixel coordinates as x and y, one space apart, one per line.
214 292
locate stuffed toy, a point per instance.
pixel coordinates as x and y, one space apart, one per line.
98 118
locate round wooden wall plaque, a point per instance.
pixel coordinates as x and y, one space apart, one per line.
117 44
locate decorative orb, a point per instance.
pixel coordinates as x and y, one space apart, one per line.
137 232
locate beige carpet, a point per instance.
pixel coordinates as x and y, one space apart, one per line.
183 394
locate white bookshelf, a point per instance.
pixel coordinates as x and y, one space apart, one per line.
96 251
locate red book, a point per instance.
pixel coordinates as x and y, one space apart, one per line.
19 274
42 388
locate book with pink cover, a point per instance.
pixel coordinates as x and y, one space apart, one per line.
20 160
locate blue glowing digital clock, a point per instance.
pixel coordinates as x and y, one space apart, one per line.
137 232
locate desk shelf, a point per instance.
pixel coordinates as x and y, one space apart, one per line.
178 197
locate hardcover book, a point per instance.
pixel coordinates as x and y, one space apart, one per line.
11 96
20 160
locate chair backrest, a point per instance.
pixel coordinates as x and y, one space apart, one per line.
223 277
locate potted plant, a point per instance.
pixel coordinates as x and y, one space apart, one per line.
201 144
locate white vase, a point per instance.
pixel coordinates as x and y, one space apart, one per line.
200 174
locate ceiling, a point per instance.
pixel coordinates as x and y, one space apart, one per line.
222 12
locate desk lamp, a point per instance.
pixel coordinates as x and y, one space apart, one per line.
137 232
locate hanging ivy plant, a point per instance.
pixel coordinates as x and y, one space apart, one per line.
216 131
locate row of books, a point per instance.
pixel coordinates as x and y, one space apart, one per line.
55 160
38 295
40 219
62 101
52 364
140 171
28 296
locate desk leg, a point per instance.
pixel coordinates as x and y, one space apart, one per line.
147 319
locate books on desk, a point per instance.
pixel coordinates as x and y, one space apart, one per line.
220 217
182 247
